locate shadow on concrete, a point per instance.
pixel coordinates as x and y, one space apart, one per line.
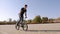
43 31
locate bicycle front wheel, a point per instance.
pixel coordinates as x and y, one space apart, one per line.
25 27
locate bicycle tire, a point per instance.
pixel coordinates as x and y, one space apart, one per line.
25 27
17 26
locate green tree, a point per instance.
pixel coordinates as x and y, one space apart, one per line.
37 19
44 19
29 21
51 20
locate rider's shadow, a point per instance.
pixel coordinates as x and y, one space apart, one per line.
43 30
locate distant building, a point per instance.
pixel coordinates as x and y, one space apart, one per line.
10 20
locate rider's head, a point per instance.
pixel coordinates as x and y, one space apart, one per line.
25 6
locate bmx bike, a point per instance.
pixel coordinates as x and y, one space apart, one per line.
22 24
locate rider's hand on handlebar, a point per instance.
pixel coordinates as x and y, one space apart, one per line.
25 16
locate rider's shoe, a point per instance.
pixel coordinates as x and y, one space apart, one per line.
21 25
17 24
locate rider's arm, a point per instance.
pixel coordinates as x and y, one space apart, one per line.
25 15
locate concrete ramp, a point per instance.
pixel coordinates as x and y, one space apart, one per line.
44 26
32 29
2 32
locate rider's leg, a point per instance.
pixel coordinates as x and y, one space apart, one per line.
19 20
22 21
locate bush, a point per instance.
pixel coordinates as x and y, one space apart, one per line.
37 19
44 19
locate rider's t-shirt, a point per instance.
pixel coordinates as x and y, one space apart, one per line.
22 11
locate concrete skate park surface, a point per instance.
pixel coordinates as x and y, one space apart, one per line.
32 29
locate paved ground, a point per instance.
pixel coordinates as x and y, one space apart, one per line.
32 29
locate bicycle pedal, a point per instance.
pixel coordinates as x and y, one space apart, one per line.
21 25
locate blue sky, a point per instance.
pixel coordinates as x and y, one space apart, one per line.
44 8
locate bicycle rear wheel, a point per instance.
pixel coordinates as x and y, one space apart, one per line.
17 26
